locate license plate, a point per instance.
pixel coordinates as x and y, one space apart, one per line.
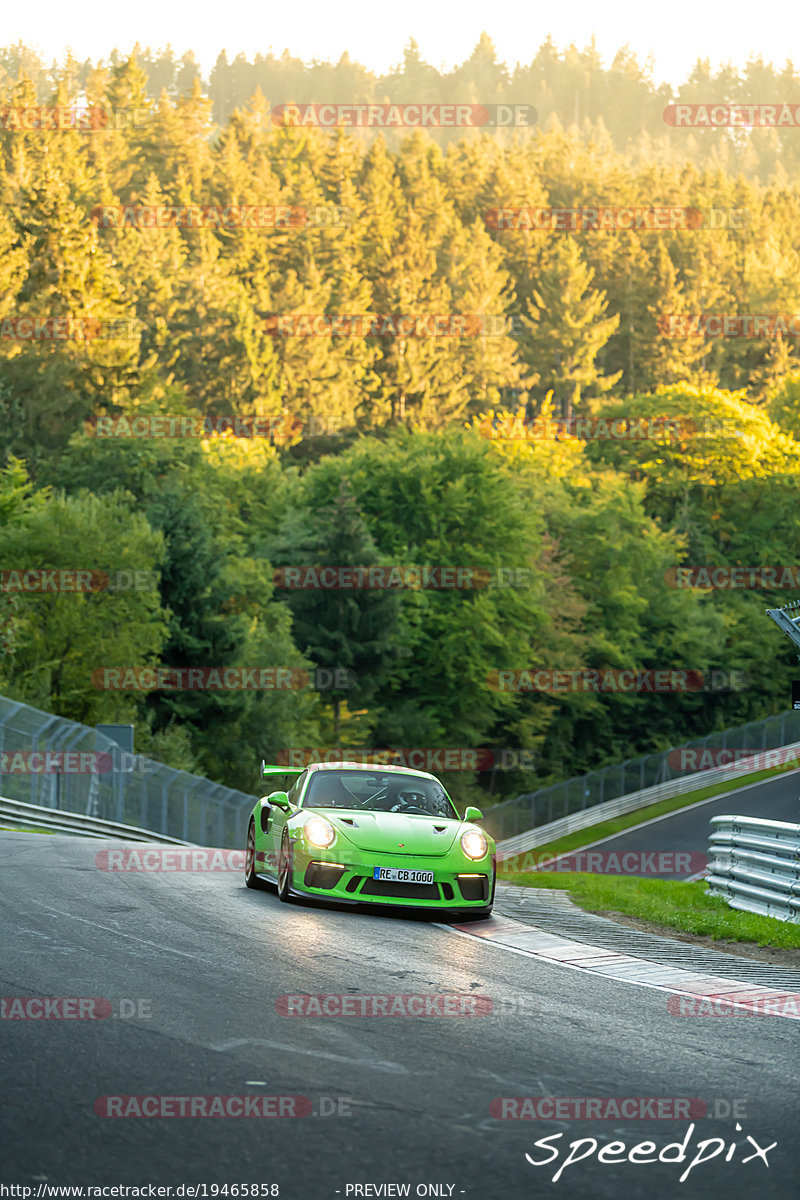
401 875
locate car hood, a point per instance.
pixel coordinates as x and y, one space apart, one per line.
394 833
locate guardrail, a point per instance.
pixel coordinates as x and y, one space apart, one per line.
509 847
547 804
74 770
755 865
64 822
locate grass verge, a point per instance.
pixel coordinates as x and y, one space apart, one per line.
593 833
24 829
674 904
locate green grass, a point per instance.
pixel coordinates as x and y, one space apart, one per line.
674 904
593 833
25 829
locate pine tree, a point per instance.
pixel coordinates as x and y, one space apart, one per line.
568 329
353 630
70 277
654 356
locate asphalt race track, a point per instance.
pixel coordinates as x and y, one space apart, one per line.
688 829
202 963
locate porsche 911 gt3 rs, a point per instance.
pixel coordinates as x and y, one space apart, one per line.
363 834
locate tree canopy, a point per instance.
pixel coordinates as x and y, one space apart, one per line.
555 364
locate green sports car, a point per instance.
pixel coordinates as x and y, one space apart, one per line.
363 834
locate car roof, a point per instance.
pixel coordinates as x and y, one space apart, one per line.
381 768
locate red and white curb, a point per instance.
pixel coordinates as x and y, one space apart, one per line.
720 994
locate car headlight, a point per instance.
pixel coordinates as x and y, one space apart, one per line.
319 832
474 843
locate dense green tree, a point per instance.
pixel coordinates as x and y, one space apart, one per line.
218 599
67 640
444 501
566 330
351 633
601 527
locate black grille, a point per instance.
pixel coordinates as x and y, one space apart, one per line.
353 883
323 875
389 887
474 887
447 891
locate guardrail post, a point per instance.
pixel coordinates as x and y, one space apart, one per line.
220 824
119 782
35 780
190 792
164 790
204 816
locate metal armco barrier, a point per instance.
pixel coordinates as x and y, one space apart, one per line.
533 810
139 793
74 770
625 804
755 865
61 822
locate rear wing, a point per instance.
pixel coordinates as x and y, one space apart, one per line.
267 770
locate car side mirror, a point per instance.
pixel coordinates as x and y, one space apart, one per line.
473 813
279 800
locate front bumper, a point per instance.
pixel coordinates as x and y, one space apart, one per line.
458 884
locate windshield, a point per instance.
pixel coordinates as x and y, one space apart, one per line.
379 792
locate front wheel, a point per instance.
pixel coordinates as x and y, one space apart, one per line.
250 878
285 870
